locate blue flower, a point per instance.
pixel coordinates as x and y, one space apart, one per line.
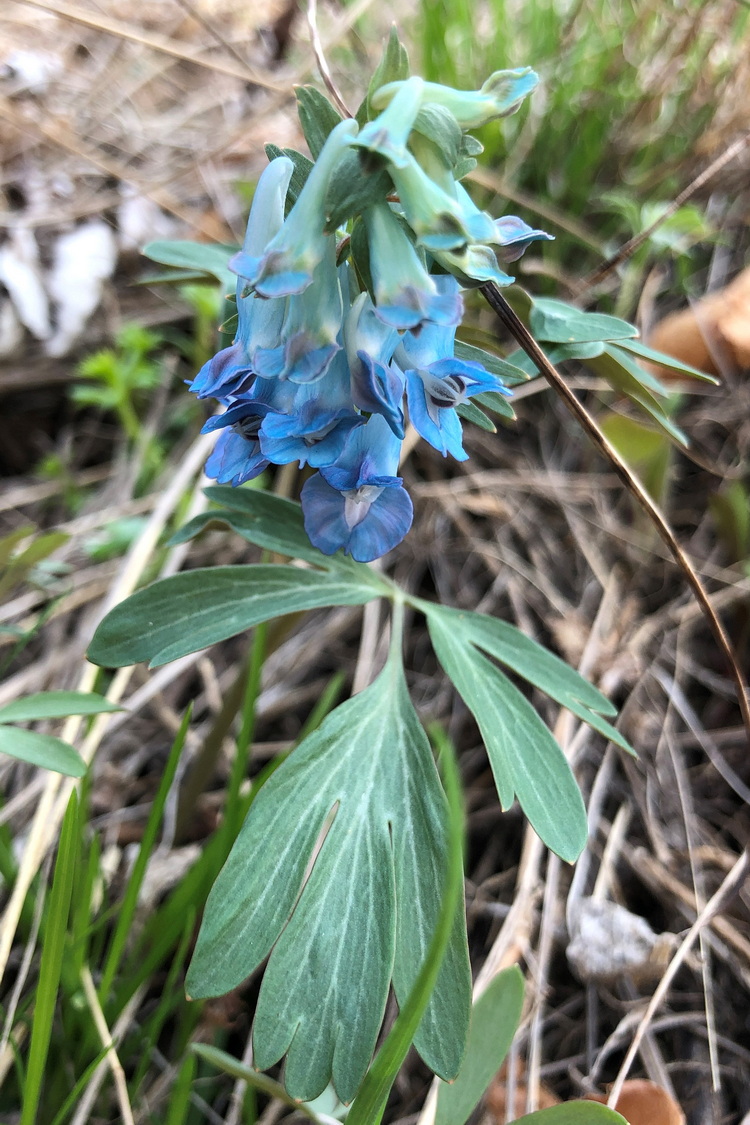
237 456
308 340
405 294
285 265
376 385
436 383
500 95
259 320
311 425
513 235
359 505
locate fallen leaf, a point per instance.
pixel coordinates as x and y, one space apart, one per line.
644 1103
714 328
496 1098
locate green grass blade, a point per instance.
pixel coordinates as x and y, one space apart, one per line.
130 898
369 1105
179 1098
53 950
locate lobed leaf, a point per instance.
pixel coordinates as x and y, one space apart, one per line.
526 761
353 188
393 66
668 361
368 909
509 373
625 376
189 611
534 663
472 413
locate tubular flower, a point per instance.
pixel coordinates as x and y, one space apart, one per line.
499 96
436 383
405 294
259 321
287 263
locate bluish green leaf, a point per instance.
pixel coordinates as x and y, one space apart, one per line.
368 909
202 257
189 611
41 750
393 66
438 125
271 522
494 1019
372 1098
497 403
509 373
624 375
573 1113
55 705
526 761
534 663
561 323
668 361
555 355
471 413
352 188
317 117
302 169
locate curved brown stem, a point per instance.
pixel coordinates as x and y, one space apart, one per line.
525 340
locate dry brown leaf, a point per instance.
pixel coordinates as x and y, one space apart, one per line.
716 327
644 1103
496 1098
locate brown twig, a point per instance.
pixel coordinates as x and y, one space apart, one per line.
523 337
320 58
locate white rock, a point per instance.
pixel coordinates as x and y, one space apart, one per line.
83 259
21 274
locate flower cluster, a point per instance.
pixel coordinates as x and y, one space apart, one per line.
329 349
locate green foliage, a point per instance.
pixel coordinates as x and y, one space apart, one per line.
526 761
604 343
367 911
494 1019
118 375
43 749
51 966
197 608
21 551
201 260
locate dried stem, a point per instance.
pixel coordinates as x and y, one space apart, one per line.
526 341
317 46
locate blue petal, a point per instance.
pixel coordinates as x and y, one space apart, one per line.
235 460
444 434
384 521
